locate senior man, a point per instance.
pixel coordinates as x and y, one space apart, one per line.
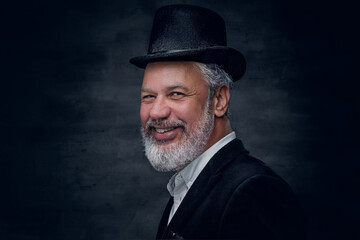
218 191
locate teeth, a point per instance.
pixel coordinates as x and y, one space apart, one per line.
162 130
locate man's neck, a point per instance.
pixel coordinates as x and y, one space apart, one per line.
221 129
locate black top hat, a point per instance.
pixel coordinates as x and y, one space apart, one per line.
191 33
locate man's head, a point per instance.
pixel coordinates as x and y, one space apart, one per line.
185 92
183 111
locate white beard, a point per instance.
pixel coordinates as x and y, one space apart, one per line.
190 146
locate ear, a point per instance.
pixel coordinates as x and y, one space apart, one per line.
221 100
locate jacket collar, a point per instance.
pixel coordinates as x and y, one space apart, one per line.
202 185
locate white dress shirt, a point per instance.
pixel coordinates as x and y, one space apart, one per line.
180 183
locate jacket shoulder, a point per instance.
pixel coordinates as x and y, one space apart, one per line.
259 203
239 165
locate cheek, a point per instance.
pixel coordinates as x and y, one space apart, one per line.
190 113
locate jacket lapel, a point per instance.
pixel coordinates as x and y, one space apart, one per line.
202 185
164 219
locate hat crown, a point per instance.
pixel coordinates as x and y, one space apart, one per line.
191 33
180 27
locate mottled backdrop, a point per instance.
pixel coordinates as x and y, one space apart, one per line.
72 165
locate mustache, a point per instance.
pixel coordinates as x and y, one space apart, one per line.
164 123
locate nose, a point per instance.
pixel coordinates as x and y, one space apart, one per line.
159 109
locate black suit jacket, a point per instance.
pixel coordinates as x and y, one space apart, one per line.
235 197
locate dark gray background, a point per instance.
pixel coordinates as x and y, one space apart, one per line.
72 165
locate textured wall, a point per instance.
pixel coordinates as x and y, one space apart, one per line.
72 165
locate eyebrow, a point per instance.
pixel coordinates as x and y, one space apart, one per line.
168 88
176 87
146 90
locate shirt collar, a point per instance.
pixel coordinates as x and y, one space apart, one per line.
193 169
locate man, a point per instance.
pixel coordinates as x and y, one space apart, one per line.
218 191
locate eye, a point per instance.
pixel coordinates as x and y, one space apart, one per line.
176 95
147 98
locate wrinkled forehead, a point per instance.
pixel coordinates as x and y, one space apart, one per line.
164 73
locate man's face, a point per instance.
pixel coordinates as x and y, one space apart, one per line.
175 113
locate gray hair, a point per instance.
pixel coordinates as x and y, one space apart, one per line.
214 76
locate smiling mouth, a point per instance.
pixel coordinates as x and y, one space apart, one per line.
163 130
167 134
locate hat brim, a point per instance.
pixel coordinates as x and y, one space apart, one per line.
231 60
